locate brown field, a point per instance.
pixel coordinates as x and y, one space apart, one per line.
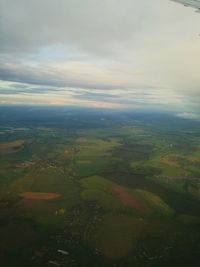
129 199
39 195
10 147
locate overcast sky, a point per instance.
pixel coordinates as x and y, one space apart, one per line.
104 53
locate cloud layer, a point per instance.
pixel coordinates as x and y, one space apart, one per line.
112 52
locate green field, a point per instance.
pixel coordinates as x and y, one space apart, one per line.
110 195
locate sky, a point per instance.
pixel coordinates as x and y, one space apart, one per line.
100 53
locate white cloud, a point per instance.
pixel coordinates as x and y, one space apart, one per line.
146 45
188 115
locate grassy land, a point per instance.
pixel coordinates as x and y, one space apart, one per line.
124 193
118 235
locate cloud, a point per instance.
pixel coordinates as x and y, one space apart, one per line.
190 116
12 93
147 51
76 74
27 25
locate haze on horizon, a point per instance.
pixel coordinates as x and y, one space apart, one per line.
109 54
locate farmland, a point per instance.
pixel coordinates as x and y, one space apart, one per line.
118 191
